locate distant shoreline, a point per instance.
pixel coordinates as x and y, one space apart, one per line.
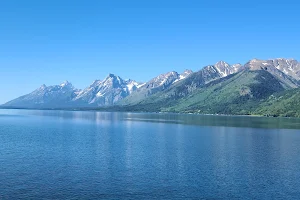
135 111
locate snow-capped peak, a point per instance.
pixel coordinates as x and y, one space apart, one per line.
186 73
107 92
223 68
162 79
226 69
43 86
65 83
183 75
222 63
131 85
113 79
109 76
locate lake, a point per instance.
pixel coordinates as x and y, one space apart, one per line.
102 155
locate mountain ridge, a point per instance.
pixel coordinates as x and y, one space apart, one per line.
177 92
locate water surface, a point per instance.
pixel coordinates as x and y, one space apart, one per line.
98 155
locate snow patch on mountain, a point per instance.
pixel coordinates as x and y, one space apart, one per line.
184 75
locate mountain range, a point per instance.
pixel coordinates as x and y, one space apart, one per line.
259 87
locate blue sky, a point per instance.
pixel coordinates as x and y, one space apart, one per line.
80 41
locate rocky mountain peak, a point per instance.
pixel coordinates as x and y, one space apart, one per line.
113 80
42 87
186 72
226 69
222 64
66 84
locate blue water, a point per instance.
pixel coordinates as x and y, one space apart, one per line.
94 155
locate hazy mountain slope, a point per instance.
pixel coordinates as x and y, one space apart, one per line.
99 93
57 96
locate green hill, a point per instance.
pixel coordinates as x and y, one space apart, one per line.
286 104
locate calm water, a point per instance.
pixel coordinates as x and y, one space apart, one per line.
94 155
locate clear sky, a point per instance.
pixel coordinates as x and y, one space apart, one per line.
82 40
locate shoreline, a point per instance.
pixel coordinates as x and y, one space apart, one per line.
153 112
